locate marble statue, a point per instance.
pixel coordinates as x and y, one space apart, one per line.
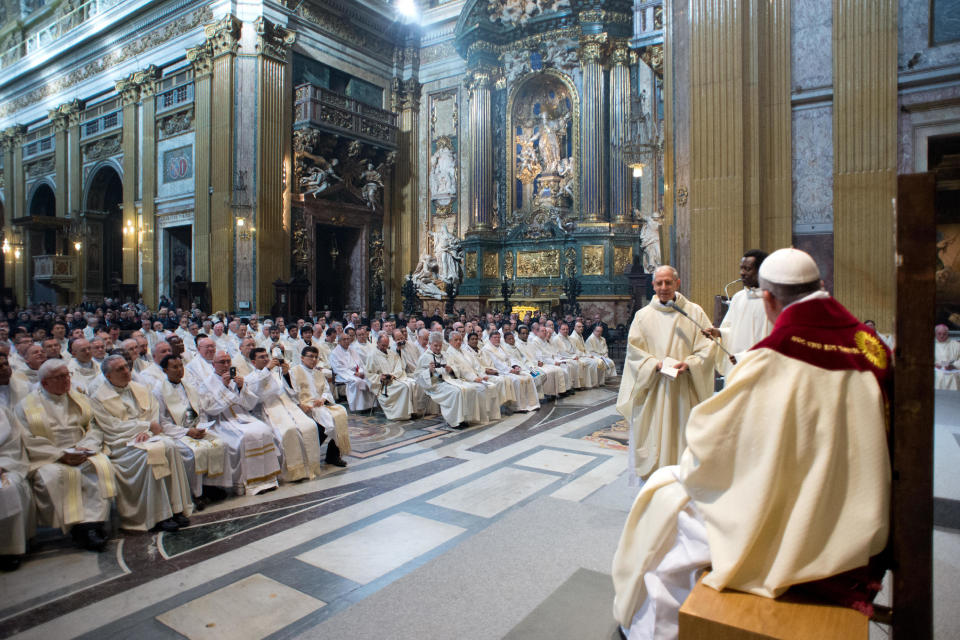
528 163
511 12
424 275
650 240
321 176
443 174
372 183
449 255
565 170
549 142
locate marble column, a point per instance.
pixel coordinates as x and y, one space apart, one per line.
60 160
224 38
481 149
148 81
406 222
621 194
274 115
15 273
129 98
201 57
593 184
66 125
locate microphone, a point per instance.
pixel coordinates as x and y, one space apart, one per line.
727 286
673 305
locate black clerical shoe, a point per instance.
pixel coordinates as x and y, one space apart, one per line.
10 563
200 503
169 525
181 520
89 536
339 462
214 494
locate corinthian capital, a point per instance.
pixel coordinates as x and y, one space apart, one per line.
224 35
13 136
148 80
620 54
272 40
480 78
201 56
591 48
129 90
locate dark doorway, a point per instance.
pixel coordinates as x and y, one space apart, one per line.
337 275
104 231
179 244
43 203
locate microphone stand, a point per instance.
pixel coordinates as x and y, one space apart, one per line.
674 306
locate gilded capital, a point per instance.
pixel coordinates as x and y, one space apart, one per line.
13 136
653 57
408 94
224 35
148 80
620 54
480 78
129 90
272 40
201 56
591 48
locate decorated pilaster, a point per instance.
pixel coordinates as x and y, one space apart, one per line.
407 207
481 148
620 178
14 273
66 124
201 57
148 81
592 170
60 159
273 169
129 98
224 38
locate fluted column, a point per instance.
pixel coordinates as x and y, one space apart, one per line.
60 160
73 110
620 177
202 58
224 38
148 81
593 200
66 124
481 149
406 174
14 273
129 97
273 139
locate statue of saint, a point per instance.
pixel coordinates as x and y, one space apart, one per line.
549 141
650 240
449 254
443 174
423 277
372 183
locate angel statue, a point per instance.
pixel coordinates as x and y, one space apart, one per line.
320 178
372 183
423 277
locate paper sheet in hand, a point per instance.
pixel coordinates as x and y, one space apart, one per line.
134 442
669 367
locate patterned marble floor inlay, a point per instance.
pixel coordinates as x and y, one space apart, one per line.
381 547
251 608
553 460
494 492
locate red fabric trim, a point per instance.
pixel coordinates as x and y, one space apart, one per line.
823 333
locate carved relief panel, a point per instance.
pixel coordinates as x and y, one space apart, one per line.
443 177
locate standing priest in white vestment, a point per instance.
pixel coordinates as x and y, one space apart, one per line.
17 515
786 478
349 370
73 482
297 432
152 485
397 395
656 402
203 453
316 400
745 323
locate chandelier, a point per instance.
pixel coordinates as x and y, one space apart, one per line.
642 142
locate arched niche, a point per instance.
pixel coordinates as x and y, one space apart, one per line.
103 237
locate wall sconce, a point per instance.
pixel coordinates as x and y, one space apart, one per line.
77 245
129 229
13 247
6 246
245 232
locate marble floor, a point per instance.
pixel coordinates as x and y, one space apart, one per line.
505 530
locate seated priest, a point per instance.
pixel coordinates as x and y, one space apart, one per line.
73 482
84 372
203 453
228 403
152 486
589 368
26 379
577 339
539 347
468 374
348 367
242 359
407 350
511 370
597 345
297 432
946 359
154 373
556 382
316 400
17 514
397 395
460 400
503 387
786 474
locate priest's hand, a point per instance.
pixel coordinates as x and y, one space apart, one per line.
285 367
155 428
196 434
143 436
683 366
239 381
448 368
73 459
711 332
274 362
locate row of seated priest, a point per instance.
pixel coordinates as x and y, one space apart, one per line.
157 433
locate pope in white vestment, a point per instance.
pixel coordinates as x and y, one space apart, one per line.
397 395
17 514
459 400
152 485
756 493
655 404
297 432
348 367
946 360
314 394
203 453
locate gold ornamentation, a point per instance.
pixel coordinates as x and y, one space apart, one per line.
491 264
538 264
871 348
653 57
129 90
437 52
478 79
591 48
620 53
508 264
470 265
682 196
147 80
176 123
224 35
202 58
570 262
593 260
622 260
272 40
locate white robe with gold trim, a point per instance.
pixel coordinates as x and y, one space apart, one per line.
400 398
311 385
17 515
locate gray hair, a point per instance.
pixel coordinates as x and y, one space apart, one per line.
676 274
49 367
423 332
789 293
436 336
107 364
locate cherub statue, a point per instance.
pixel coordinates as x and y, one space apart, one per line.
321 177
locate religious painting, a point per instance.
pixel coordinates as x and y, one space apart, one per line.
178 164
508 264
538 264
543 126
592 260
622 260
470 265
491 265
